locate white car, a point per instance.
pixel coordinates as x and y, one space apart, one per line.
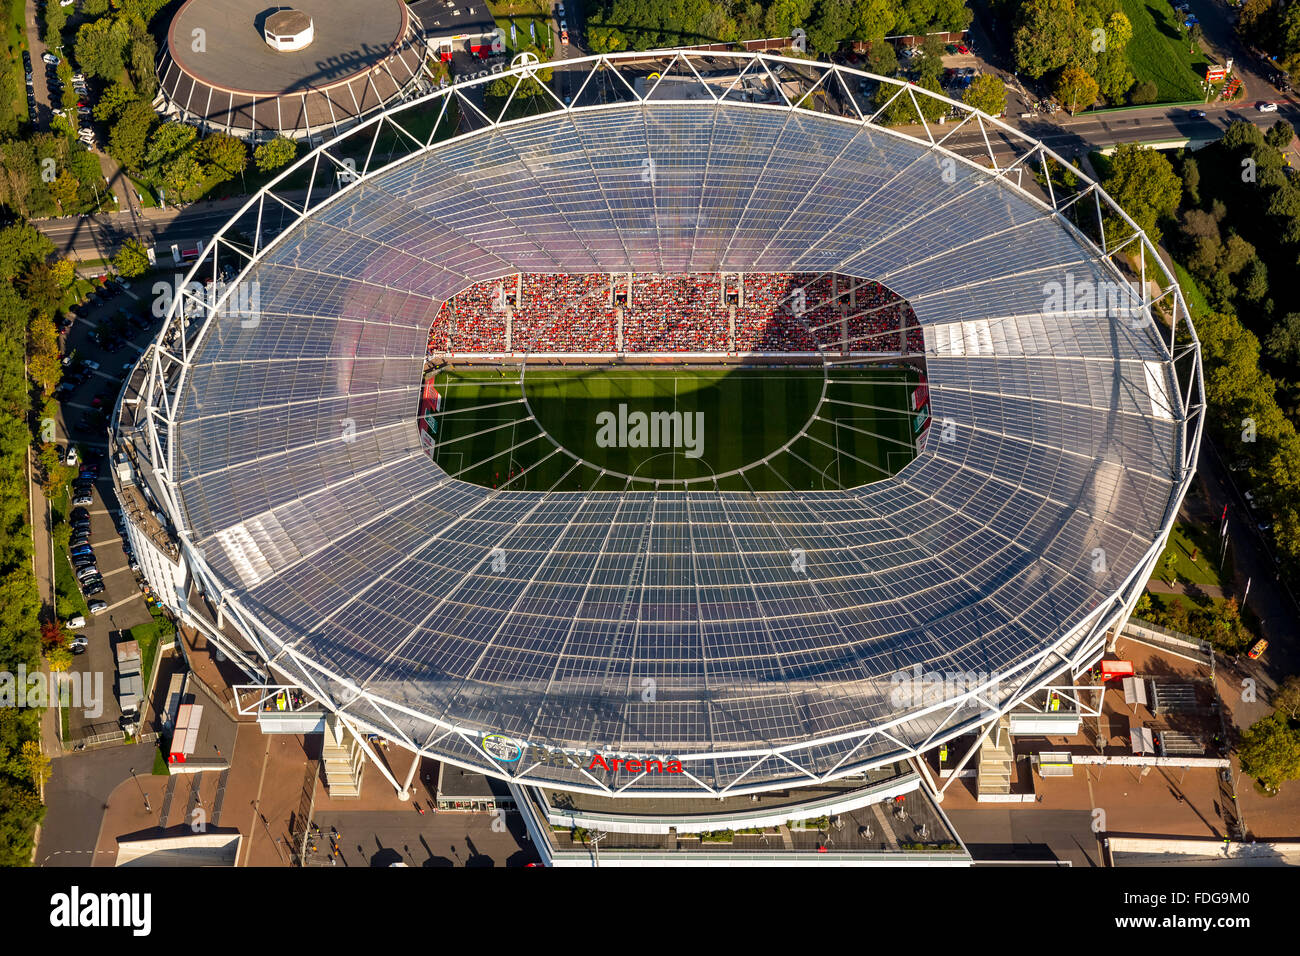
75 622
70 458
1266 107
51 59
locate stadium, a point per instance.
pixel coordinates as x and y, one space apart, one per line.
943 433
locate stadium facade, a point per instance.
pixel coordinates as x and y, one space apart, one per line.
288 511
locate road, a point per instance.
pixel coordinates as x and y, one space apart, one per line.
97 237
75 798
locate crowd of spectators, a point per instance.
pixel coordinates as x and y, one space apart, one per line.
774 312
676 313
564 313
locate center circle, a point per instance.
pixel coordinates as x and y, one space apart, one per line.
673 426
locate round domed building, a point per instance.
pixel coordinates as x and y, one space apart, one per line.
306 71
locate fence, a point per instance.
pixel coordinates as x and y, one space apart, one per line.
117 736
1174 642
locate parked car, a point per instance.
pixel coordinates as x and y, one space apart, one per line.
98 607
79 644
79 513
87 573
50 58
83 499
74 622
70 458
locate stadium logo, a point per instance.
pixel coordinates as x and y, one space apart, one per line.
502 748
632 765
655 430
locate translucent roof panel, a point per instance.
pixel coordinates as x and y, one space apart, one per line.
1052 441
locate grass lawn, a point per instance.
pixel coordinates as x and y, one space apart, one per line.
1158 51
727 419
1184 540
68 599
148 198
1192 293
513 8
150 636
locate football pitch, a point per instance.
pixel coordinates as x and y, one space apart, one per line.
610 429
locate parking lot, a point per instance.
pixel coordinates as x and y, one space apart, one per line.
100 342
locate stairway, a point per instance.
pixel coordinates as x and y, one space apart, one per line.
997 760
342 758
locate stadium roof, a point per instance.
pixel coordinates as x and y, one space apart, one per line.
673 623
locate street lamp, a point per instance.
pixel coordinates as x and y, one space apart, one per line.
148 809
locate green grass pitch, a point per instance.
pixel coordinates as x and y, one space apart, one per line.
760 429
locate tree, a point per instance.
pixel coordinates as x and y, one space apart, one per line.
99 48
168 143
1143 182
1192 180
132 259
224 156
1144 92
112 102
22 247
1283 340
1280 134
832 25
129 136
182 177
141 53
1287 697
882 59
986 93
1075 89
64 189
277 153
1119 30
784 15
873 20
1270 751
20 812
1254 281
1047 34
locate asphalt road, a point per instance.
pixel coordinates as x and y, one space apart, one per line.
1013 834
82 425
75 797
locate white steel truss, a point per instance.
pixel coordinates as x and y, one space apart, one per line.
791 85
